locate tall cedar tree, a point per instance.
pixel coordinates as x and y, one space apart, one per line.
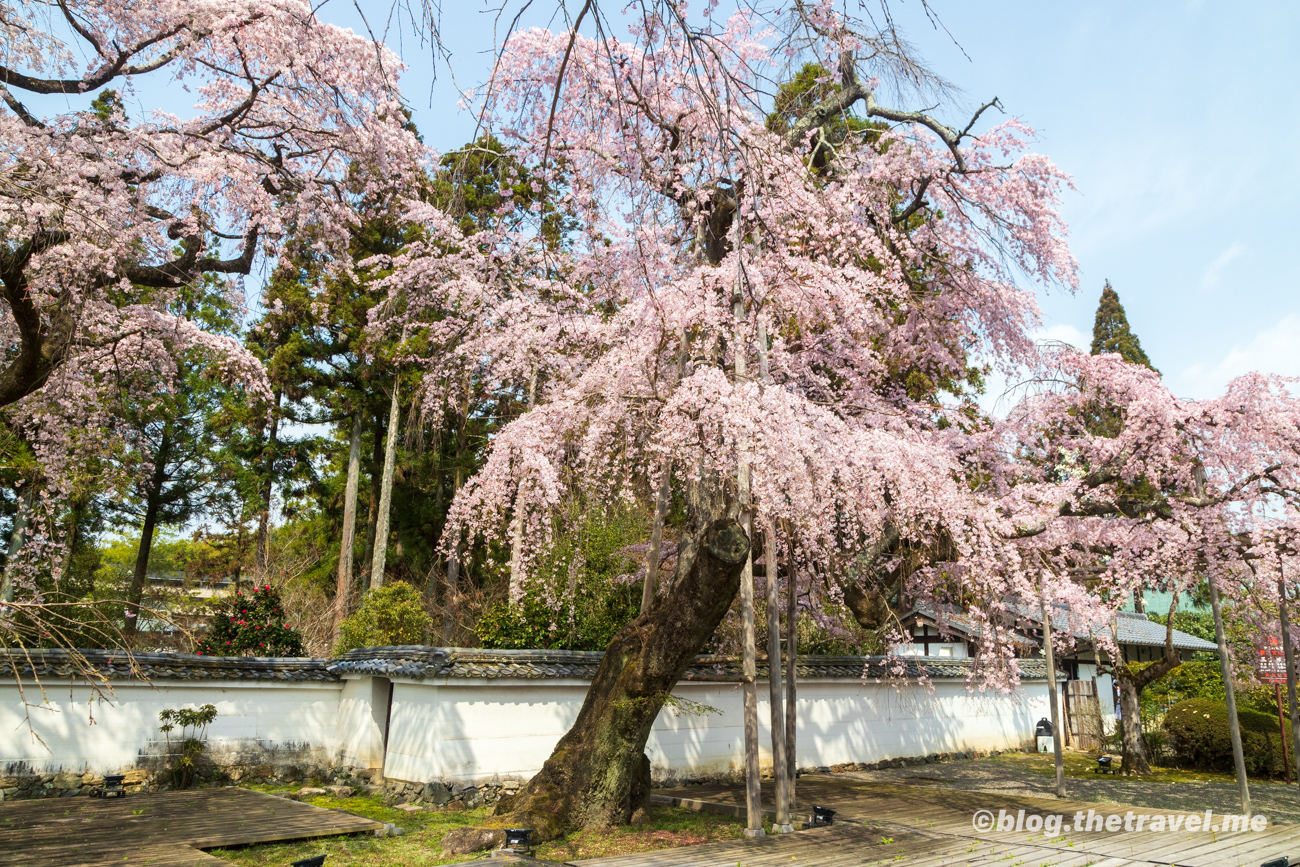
1110 331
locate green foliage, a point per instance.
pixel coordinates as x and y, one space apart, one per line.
1199 738
107 104
482 185
1198 623
192 741
1196 678
1111 333
250 624
797 96
591 560
390 615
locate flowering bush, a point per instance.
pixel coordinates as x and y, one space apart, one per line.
250 623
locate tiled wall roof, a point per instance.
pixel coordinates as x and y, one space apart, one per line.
418 662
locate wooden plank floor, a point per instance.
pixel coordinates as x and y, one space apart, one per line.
892 825
159 830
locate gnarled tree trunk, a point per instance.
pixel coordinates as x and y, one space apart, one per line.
1131 683
598 774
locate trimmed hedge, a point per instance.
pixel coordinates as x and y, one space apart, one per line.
1199 737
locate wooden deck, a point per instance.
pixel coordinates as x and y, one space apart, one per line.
158 830
889 825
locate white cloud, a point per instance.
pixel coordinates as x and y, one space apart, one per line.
1275 349
1214 271
1001 392
1064 333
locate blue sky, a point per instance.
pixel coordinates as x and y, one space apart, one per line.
1177 121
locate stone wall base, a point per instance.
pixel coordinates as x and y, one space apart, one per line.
466 796
17 785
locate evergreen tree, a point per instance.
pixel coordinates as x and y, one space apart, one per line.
1110 331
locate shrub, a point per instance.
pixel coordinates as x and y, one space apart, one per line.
389 615
534 624
1198 737
250 623
192 742
593 554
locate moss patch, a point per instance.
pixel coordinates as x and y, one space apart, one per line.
424 829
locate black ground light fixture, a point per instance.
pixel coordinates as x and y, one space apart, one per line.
820 818
1284 861
1105 765
112 787
313 861
517 839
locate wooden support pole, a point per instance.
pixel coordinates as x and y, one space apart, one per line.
1288 653
749 665
781 824
749 673
791 678
1055 700
1281 731
1234 727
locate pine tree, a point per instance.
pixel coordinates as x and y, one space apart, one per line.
1110 332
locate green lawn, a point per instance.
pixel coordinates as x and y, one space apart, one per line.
419 845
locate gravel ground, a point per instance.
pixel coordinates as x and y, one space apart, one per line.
1281 803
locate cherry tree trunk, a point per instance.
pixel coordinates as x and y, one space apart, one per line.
598 774
1134 761
1131 684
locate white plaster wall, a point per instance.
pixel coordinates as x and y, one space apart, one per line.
947 650
1106 696
477 730
359 722
72 731
480 731
844 721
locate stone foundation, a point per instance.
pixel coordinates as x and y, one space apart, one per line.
459 796
20 784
